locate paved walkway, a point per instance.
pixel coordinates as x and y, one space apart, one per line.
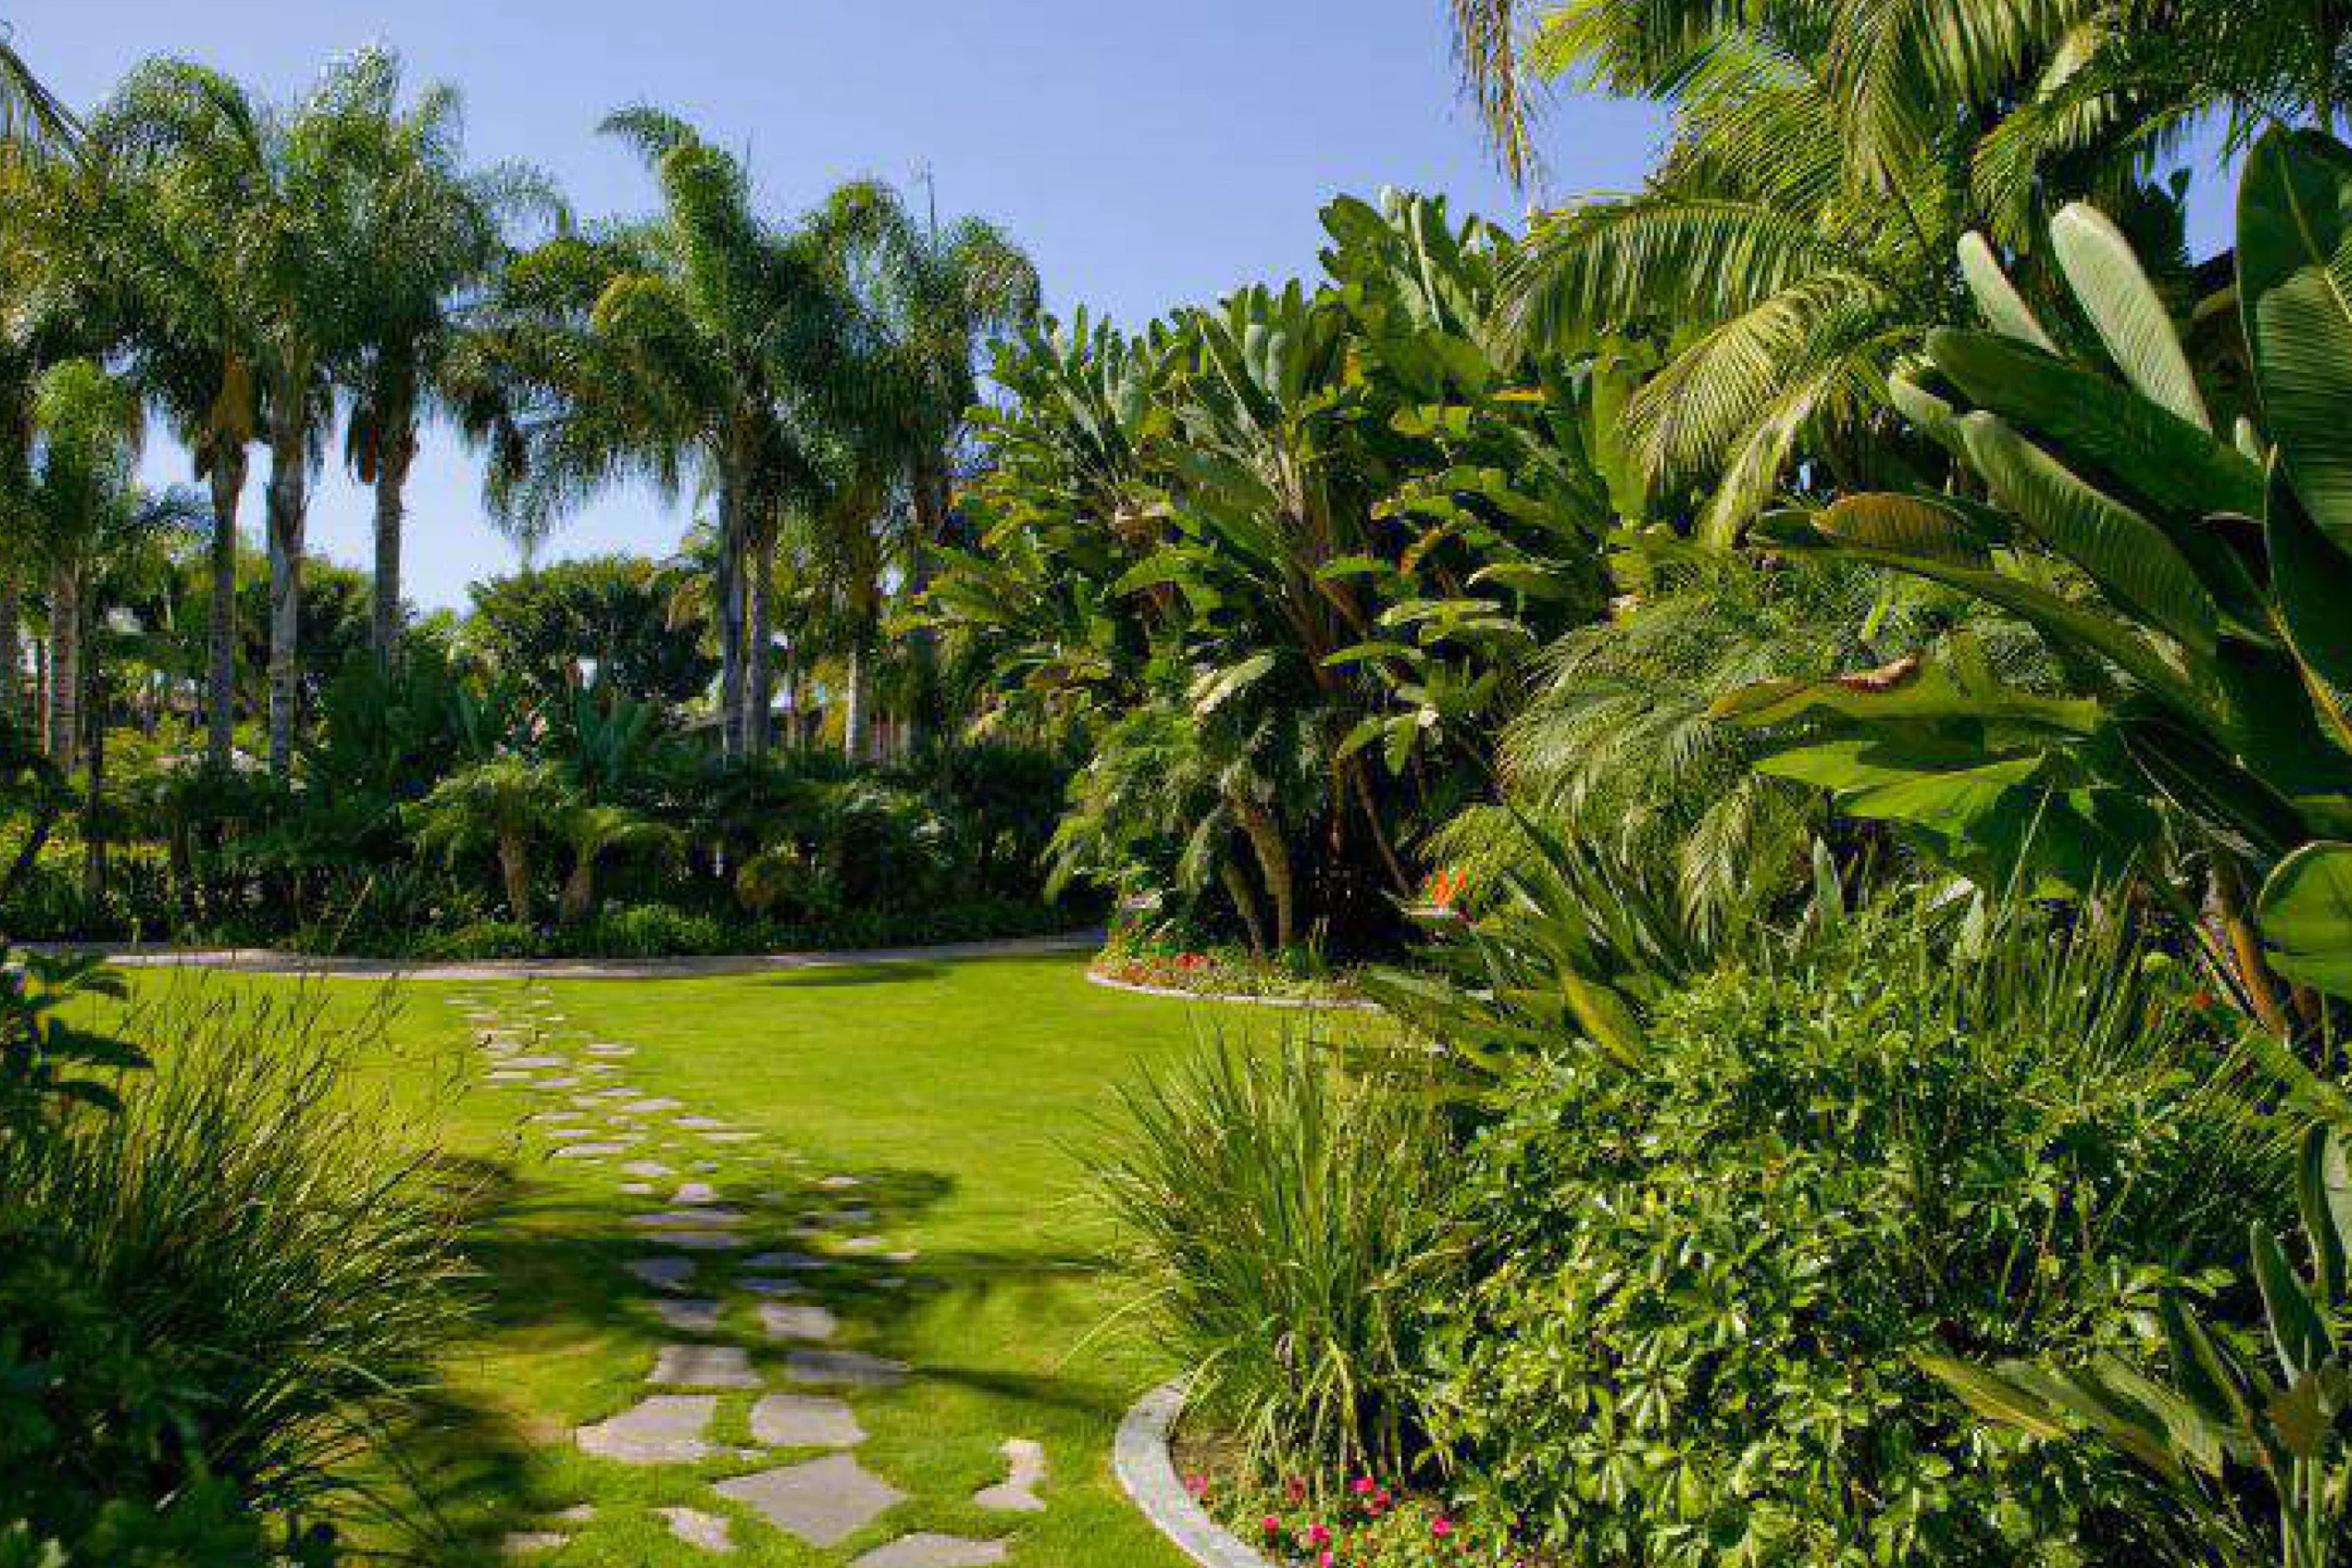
271 961
761 1341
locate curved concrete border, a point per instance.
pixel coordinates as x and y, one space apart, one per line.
1147 1472
1172 993
270 961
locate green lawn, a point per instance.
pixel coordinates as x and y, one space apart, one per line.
960 1096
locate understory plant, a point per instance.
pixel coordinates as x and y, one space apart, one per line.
1282 1218
1700 1275
219 1302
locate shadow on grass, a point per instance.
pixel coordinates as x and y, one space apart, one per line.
835 977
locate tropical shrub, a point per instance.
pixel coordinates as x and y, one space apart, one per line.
215 1302
1697 1278
2222 1415
1281 1218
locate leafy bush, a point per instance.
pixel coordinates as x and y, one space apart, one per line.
1283 1217
1699 1282
215 1302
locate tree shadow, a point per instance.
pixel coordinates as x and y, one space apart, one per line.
831 976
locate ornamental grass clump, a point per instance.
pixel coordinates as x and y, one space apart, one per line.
1283 1218
219 1303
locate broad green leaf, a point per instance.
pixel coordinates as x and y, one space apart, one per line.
2311 583
1904 522
2323 1192
2106 277
1214 688
1957 685
2297 1332
1996 296
2305 913
2088 420
1996 1398
2131 559
2295 289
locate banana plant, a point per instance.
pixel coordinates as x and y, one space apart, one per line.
2219 1415
2190 577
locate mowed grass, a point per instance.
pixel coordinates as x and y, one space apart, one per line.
962 1098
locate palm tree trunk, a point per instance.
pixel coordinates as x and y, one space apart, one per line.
64 664
930 497
759 589
393 457
289 504
93 838
1236 887
12 617
730 611
578 890
1265 836
515 867
220 698
855 701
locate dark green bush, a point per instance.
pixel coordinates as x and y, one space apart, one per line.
1700 1284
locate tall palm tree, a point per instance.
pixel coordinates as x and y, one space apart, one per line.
32 119
427 233
937 299
655 351
89 428
262 198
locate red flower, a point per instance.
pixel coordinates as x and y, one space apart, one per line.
1364 1485
1271 1525
1319 1536
1440 1526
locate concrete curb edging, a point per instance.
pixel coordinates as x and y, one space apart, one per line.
1147 1472
1295 1004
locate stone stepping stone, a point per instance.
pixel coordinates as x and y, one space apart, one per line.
530 1543
702 1366
502 1075
824 1502
549 1086
649 1107
601 1067
705 1533
664 1273
605 1048
588 1151
849 1368
689 1318
789 1262
578 1514
793 1320
668 1429
1018 1492
705 1167
804 1421
672 1219
538 1063
840 1183
637 1188
650 1169
571 1134
697 1240
860 1244
555 1118
925 1550
764 1287
696 1192
699 1123
730 1137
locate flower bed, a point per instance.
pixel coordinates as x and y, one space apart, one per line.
1149 964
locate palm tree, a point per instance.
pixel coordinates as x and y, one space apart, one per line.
264 199
937 299
89 430
650 351
32 119
426 232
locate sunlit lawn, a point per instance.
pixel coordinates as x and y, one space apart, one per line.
960 1096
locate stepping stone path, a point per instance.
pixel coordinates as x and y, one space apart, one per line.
1018 1492
707 1531
821 1501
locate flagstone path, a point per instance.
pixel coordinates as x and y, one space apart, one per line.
803 1475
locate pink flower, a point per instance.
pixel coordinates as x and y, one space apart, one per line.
1297 1488
1364 1485
1440 1526
1319 1536
1271 1525
1198 1485
1326 1560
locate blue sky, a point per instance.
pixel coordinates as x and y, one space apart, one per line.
1148 153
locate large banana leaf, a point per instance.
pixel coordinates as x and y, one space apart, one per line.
2305 913
1996 296
2131 559
2132 321
2295 288
1956 685
2312 580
